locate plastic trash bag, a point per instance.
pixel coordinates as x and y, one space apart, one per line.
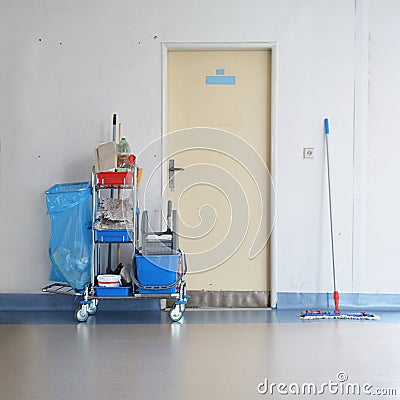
70 247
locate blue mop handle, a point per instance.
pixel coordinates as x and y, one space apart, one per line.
326 124
335 292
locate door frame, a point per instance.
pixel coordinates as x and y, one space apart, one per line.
193 46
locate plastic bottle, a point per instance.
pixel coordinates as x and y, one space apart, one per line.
123 153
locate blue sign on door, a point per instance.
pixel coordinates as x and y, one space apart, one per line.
220 78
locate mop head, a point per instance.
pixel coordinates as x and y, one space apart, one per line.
318 314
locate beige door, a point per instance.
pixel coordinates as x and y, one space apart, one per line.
218 122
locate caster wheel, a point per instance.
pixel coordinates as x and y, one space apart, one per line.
92 308
176 313
81 315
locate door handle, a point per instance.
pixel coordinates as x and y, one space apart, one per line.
171 173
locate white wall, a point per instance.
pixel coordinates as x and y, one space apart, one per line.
100 57
381 271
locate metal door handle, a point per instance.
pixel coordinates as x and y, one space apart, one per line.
171 172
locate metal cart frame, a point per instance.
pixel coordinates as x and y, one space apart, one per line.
89 303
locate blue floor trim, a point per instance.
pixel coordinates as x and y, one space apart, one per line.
365 301
286 301
56 302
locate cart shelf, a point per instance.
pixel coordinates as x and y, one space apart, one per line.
113 236
112 178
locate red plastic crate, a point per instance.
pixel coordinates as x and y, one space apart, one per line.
115 178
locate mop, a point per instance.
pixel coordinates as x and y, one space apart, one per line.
318 314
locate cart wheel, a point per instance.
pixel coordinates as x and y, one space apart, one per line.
92 308
176 313
81 315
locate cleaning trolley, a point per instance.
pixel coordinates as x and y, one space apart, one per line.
88 221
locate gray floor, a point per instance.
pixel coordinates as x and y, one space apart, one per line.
209 355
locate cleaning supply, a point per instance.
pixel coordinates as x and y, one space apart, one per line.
318 314
109 280
123 153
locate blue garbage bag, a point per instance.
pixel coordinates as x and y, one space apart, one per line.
70 247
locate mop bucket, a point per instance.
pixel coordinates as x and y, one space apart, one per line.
158 273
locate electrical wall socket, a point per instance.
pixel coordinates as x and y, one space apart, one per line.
308 152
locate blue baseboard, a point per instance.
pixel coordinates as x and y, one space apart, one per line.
286 301
366 301
55 302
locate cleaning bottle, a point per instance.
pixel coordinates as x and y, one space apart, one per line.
123 153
